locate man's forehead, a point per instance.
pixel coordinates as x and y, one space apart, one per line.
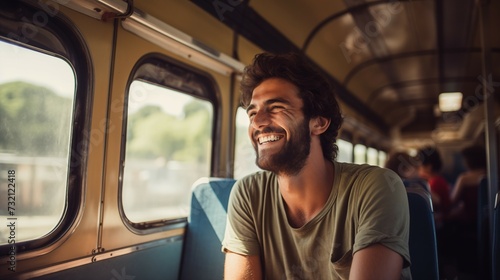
275 88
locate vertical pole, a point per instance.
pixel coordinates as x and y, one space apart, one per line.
489 110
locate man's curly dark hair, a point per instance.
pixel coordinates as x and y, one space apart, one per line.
316 92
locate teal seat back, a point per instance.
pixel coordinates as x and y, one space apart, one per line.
202 256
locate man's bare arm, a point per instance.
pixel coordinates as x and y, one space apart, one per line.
376 262
240 267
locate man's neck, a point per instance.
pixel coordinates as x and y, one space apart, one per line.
306 193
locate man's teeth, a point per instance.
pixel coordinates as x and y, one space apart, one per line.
266 139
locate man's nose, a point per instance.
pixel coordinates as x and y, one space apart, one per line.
260 119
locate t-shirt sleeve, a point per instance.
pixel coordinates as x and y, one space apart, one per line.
240 235
383 213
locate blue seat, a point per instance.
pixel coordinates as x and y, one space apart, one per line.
495 258
423 244
202 256
416 182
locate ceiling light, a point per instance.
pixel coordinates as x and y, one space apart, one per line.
450 101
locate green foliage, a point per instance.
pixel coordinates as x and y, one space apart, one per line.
34 121
153 133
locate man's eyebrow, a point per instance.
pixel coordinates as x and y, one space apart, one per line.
269 102
277 100
250 107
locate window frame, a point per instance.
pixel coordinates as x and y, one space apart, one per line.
207 90
59 38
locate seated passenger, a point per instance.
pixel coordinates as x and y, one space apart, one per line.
464 196
462 221
403 164
307 216
428 169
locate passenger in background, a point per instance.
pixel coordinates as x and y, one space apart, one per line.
429 169
403 164
406 167
462 221
464 195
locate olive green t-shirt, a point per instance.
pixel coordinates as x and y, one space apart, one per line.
367 205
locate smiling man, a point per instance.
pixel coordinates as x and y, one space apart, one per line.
307 216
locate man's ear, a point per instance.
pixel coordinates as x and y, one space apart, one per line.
318 125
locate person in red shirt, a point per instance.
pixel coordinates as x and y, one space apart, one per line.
429 169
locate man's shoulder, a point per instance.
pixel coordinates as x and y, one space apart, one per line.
255 189
364 177
256 182
258 176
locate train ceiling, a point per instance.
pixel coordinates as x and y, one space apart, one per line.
389 60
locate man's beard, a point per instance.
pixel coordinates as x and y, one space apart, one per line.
292 157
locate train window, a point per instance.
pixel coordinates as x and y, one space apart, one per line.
345 151
372 156
382 157
37 95
359 153
244 156
168 147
